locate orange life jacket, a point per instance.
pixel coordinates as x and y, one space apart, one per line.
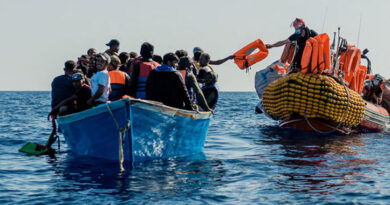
358 82
144 70
316 55
183 74
118 82
350 63
323 53
309 56
244 57
370 77
288 53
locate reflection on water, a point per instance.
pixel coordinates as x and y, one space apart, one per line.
316 163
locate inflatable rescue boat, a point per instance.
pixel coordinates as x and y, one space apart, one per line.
324 96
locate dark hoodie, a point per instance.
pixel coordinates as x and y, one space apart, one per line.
166 85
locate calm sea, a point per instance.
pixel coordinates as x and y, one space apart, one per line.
247 159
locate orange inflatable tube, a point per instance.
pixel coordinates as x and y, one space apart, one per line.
245 57
288 53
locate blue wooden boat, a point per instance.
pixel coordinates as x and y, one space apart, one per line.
135 130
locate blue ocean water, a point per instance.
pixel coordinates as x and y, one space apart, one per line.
247 159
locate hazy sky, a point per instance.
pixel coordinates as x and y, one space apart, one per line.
38 36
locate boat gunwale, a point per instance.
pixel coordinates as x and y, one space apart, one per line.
138 103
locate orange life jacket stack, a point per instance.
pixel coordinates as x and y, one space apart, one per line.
316 55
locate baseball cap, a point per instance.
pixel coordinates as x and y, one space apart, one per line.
113 42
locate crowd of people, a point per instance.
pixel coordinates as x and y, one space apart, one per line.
175 79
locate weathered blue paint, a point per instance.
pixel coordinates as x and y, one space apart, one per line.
156 131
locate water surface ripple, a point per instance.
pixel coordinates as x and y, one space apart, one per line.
247 159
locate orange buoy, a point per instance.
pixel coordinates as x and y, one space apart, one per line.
244 57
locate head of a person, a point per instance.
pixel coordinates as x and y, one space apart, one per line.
133 55
298 25
210 78
197 52
83 63
170 59
197 56
147 50
157 58
377 80
184 63
124 57
77 80
115 62
114 45
91 52
204 59
102 61
70 67
180 53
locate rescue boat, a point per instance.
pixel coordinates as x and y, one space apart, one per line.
325 95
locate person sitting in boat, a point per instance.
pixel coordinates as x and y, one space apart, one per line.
133 55
81 96
210 89
62 87
205 60
91 52
119 80
196 94
373 89
114 47
100 81
166 85
180 53
140 71
302 33
157 58
124 57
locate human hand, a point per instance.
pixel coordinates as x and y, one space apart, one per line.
268 46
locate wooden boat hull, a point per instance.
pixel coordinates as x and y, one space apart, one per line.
156 131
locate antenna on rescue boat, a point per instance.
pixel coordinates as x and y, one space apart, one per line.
360 23
323 23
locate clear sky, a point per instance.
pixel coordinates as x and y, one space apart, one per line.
38 36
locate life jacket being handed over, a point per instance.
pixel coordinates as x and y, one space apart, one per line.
244 57
118 82
207 90
288 53
144 70
184 74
